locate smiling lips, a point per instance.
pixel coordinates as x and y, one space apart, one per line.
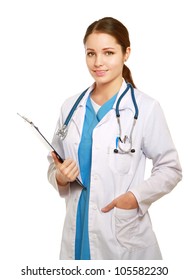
100 73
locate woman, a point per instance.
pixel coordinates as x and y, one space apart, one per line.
108 218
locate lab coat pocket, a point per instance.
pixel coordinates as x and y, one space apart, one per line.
126 227
119 163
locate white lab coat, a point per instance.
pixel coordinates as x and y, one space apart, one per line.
118 234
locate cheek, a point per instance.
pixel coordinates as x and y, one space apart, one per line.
117 64
89 63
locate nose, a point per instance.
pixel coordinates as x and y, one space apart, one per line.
98 60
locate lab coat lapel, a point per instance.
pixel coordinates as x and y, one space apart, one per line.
79 115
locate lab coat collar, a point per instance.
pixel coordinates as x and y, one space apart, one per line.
126 102
84 99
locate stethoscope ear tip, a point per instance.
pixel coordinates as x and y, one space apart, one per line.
115 151
132 150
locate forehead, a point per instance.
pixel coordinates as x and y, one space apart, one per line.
101 40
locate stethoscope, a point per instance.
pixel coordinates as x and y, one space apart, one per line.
120 142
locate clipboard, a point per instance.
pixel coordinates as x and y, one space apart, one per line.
47 143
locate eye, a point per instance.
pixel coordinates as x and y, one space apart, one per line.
90 54
109 53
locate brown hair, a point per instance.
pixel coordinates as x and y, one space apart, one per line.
116 29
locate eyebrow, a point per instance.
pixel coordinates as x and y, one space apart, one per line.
104 49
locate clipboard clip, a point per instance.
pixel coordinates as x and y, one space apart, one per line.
26 119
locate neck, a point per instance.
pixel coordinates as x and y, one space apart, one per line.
103 92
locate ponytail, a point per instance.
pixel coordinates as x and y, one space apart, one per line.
127 75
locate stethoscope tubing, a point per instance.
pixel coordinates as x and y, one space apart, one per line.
62 132
129 86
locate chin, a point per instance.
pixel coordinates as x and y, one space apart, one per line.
102 80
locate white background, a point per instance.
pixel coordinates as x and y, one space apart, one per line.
42 62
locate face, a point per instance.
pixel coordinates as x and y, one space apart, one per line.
104 57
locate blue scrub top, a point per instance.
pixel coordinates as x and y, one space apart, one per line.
82 249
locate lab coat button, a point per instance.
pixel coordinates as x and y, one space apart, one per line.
95 177
94 236
95 207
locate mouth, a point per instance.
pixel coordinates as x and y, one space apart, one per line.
100 73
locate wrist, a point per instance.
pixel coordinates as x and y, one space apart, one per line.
133 201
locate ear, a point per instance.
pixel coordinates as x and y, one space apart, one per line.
127 53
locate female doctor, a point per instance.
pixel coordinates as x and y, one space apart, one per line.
110 132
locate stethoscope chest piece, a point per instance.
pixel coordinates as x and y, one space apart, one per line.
62 132
124 146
